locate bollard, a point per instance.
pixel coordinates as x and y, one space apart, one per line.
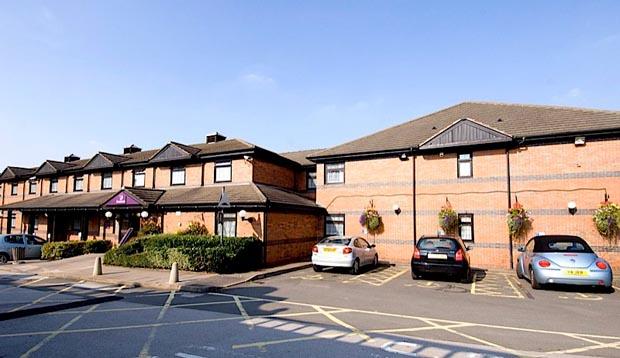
174 273
97 270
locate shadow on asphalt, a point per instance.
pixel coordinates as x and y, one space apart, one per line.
363 269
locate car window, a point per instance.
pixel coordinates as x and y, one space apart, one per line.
363 242
437 243
34 240
336 240
530 246
357 243
562 244
14 239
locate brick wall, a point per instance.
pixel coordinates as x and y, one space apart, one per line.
290 236
273 174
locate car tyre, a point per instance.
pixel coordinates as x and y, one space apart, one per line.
375 263
467 276
519 273
415 276
533 282
355 269
317 268
4 258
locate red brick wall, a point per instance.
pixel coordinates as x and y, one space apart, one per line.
290 236
273 174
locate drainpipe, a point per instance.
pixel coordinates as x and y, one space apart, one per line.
509 202
414 204
265 232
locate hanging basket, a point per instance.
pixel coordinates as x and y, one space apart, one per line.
448 219
518 220
607 221
371 220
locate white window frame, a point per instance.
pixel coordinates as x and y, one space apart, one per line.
223 168
76 179
175 179
136 174
332 222
334 168
104 177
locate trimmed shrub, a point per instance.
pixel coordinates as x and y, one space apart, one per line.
195 228
65 249
149 227
191 253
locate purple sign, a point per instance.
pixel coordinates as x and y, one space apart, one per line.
122 199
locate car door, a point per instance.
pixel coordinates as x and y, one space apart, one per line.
369 255
33 246
527 257
13 241
359 251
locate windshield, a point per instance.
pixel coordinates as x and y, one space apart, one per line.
437 243
336 240
561 244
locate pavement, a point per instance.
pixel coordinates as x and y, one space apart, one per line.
382 312
81 268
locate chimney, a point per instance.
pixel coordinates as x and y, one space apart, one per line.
131 149
71 158
215 137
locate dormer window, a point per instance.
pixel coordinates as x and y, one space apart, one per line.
54 185
223 171
13 188
32 187
177 176
78 183
139 178
106 181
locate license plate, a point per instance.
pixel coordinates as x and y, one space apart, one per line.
576 273
329 249
438 256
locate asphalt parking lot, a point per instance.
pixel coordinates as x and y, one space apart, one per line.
380 313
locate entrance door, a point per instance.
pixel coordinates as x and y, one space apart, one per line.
31 223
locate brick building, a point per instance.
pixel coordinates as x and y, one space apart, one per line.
481 157
111 195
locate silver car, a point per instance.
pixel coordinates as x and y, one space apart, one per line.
32 245
344 251
562 259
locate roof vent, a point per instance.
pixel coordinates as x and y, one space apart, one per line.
71 158
434 127
215 137
500 120
131 149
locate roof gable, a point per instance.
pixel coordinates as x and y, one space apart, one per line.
103 160
174 151
465 132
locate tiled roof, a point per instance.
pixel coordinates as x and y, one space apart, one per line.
516 120
285 197
210 195
148 196
301 157
17 172
64 201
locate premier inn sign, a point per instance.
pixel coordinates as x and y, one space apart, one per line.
122 199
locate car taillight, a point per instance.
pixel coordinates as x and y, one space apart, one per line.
459 255
347 250
544 263
601 265
315 249
416 254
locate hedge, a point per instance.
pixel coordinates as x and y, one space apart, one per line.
65 249
191 253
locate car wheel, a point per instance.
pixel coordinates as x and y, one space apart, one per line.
4 258
415 276
533 282
317 268
519 273
355 269
375 263
467 276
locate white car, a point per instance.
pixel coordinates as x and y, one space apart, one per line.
32 245
344 251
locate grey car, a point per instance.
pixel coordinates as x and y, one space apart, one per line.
31 244
562 259
344 251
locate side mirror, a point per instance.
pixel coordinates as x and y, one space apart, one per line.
521 249
468 248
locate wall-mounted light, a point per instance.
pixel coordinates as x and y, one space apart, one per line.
144 214
580 141
177 213
247 158
572 207
396 209
403 157
244 216
108 214
441 154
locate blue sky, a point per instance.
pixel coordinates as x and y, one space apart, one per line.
83 76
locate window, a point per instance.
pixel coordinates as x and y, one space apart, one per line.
228 225
139 177
334 173
34 240
78 183
14 239
106 181
464 166
13 220
77 225
311 181
334 225
223 172
32 187
466 227
13 188
177 176
54 185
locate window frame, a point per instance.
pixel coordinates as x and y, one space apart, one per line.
75 180
308 177
471 224
222 164
326 170
328 218
105 175
224 219
177 169
32 183
13 218
141 172
471 165
14 189
52 181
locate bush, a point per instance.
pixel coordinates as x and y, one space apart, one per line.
65 249
149 227
195 228
191 253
